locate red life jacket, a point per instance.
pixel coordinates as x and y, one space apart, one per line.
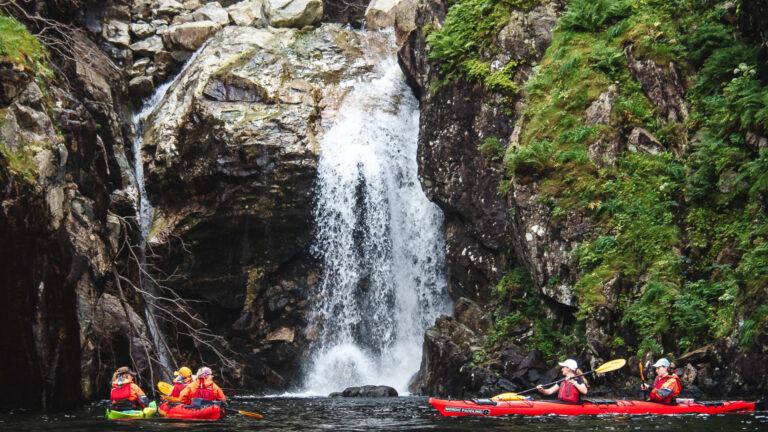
120 396
177 388
203 391
658 384
568 392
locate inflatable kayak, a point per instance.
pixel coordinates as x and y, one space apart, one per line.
489 407
180 411
133 414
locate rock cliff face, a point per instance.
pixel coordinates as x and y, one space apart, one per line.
231 163
529 224
62 156
231 156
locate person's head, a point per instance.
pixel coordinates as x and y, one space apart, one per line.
569 367
204 373
662 367
184 373
125 373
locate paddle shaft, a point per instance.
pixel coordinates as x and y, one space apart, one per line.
555 382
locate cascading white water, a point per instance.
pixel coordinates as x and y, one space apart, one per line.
146 215
379 241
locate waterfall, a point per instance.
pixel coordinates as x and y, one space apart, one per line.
146 216
379 241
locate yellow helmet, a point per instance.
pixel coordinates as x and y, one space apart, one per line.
184 371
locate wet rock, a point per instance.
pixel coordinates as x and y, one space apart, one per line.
469 313
141 87
446 349
282 334
599 112
350 12
117 32
169 9
528 34
148 47
381 14
370 391
142 30
13 81
293 13
687 375
189 36
642 140
139 67
405 20
212 12
248 13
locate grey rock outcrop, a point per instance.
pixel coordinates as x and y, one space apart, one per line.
294 13
248 13
456 119
189 36
366 391
231 157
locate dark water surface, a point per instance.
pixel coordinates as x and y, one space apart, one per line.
396 414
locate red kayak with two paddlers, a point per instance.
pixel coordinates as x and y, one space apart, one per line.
490 407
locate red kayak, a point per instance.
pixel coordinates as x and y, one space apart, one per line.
488 407
188 412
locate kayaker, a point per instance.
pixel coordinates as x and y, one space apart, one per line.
571 389
126 395
666 386
182 380
202 389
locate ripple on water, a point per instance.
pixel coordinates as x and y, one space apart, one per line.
368 414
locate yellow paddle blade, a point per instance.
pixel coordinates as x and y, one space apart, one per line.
611 366
250 414
508 397
164 387
171 398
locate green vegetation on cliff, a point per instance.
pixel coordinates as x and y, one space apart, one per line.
684 228
22 52
464 45
19 47
681 223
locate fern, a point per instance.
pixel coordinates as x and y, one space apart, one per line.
594 15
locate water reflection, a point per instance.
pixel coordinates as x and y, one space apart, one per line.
400 414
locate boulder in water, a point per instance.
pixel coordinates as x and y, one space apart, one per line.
366 391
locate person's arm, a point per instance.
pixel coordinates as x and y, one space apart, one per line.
548 391
184 395
674 386
580 386
138 393
219 394
137 389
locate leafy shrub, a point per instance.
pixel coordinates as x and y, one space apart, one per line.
593 15
467 35
18 45
705 40
718 68
532 159
491 149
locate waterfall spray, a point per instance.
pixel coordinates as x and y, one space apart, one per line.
379 241
145 215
